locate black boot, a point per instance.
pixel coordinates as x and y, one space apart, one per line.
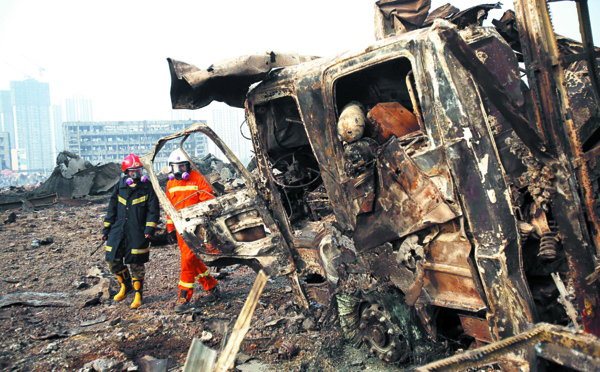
183 303
213 294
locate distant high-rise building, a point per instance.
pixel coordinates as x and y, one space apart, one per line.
7 119
78 108
4 151
227 123
33 126
59 142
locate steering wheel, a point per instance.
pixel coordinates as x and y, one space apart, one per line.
295 173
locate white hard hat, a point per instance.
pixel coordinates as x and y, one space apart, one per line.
177 156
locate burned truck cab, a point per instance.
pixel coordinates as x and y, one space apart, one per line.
417 207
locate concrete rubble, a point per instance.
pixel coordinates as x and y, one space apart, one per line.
11 179
74 177
72 180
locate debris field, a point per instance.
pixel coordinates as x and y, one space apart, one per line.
57 312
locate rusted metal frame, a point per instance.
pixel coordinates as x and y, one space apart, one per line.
565 356
426 97
260 96
564 300
497 249
401 179
413 99
576 243
586 346
177 216
590 155
495 92
484 197
280 218
319 119
568 59
36 202
147 160
585 27
214 213
546 78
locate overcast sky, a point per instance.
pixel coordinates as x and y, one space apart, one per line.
114 52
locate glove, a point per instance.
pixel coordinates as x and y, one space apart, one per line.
172 237
104 237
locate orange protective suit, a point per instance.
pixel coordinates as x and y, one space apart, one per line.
192 268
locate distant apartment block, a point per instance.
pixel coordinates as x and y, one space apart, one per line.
19 159
111 141
33 126
5 150
6 115
7 123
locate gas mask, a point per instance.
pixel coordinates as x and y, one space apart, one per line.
179 171
134 175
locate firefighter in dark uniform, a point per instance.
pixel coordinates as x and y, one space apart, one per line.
133 213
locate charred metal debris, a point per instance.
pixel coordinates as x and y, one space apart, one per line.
419 187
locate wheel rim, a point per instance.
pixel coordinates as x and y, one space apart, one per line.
381 335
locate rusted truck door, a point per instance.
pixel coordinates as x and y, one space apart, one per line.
231 228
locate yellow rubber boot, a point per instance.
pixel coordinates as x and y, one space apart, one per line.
138 286
126 287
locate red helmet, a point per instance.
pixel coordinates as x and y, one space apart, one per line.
131 161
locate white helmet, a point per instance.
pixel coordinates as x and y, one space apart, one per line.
177 156
179 165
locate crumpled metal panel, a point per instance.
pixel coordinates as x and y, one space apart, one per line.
397 16
408 201
476 168
448 276
225 81
580 90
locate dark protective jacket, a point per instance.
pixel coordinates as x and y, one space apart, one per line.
132 213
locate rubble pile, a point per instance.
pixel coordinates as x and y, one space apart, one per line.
58 312
74 177
10 179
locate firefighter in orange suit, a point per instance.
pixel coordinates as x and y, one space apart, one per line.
187 187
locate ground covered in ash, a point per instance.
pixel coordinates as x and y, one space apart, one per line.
57 312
